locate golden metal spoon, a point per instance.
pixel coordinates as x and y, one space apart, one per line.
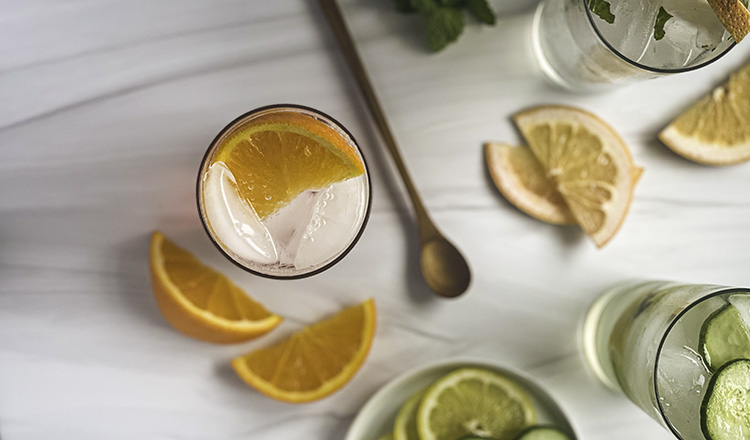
443 267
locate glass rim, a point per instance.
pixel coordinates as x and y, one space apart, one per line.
721 291
210 150
638 65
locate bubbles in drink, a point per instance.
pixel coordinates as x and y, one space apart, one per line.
681 379
692 32
284 193
742 304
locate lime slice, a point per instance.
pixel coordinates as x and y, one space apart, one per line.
474 437
474 401
724 337
725 413
543 433
405 426
388 436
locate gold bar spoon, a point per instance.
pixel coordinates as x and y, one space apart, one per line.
444 269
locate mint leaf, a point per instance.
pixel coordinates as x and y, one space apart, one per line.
444 25
481 10
404 6
424 6
454 3
662 17
601 8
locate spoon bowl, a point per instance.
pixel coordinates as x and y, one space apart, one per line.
444 268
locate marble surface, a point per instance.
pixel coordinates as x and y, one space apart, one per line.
106 108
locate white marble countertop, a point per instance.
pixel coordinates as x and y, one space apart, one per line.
106 108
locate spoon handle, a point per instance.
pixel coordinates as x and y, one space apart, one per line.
345 41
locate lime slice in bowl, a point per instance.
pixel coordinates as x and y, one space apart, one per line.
474 401
543 433
405 426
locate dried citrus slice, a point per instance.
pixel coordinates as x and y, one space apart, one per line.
521 179
716 129
277 156
315 361
734 16
588 162
474 401
199 301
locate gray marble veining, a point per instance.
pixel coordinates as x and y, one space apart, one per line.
106 109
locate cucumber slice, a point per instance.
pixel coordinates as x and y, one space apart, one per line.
543 433
725 412
724 338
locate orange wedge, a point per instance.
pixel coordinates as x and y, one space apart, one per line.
200 302
716 129
315 361
587 162
277 156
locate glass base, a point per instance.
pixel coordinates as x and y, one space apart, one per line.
594 341
544 66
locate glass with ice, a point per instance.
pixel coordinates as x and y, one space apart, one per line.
680 352
591 45
283 191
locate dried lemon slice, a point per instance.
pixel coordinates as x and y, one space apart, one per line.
520 177
588 163
716 129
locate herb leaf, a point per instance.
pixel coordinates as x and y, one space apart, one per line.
444 25
445 18
404 6
481 10
424 6
601 8
662 17
454 3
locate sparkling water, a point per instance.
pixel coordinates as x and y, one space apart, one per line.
581 51
314 229
693 33
644 339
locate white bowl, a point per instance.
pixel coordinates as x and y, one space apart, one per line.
376 417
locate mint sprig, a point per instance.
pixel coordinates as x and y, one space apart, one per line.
662 17
445 18
482 11
601 8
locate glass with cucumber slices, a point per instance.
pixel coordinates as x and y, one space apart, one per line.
680 352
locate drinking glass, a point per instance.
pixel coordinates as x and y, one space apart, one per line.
581 50
645 339
311 228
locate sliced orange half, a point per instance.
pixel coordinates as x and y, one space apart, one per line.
276 157
588 163
716 129
199 301
315 361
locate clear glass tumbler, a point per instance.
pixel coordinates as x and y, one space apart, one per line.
283 191
649 341
581 45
